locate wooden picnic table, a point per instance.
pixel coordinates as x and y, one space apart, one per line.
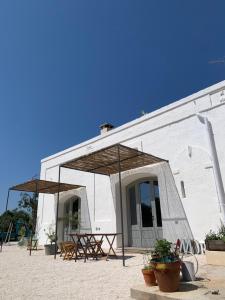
86 239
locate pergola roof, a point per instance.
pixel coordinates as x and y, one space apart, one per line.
43 186
106 160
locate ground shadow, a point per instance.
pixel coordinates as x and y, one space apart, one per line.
186 286
120 257
202 279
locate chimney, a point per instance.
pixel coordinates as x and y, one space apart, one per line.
106 127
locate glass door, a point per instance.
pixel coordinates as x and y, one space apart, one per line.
144 215
71 217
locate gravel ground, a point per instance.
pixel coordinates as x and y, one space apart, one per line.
41 277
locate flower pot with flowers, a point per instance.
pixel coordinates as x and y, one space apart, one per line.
148 270
167 266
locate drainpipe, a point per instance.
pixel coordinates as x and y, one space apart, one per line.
215 162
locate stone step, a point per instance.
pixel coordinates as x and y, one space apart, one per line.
188 291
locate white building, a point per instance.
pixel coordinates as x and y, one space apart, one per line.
182 199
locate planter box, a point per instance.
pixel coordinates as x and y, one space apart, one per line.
50 249
215 258
215 245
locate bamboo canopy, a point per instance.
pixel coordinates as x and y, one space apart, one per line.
111 160
105 161
44 186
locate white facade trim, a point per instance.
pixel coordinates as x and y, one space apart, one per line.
210 90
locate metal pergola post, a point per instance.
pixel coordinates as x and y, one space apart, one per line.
57 212
31 236
7 200
121 205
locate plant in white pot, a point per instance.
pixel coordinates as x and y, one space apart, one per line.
50 248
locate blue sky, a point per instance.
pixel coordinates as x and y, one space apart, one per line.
68 66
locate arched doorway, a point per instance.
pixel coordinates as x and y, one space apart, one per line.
144 213
71 219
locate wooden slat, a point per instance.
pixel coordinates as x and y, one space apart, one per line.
44 186
105 161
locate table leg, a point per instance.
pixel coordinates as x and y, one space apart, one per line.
110 246
94 246
35 245
84 248
100 245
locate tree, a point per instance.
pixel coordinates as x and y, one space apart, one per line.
29 203
12 216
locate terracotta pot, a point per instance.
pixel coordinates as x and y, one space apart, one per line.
167 276
215 245
149 277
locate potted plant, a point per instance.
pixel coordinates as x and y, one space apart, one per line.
22 240
148 271
50 248
216 241
167 266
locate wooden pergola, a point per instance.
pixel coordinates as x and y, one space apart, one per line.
108 161
42 186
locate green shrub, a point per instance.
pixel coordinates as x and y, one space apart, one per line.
163 248
163 252
212 236
220 235
221 231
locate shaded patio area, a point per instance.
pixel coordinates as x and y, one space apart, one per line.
114 159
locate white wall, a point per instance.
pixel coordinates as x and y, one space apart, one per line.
167 133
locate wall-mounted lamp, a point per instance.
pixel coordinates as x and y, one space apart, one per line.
222 97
